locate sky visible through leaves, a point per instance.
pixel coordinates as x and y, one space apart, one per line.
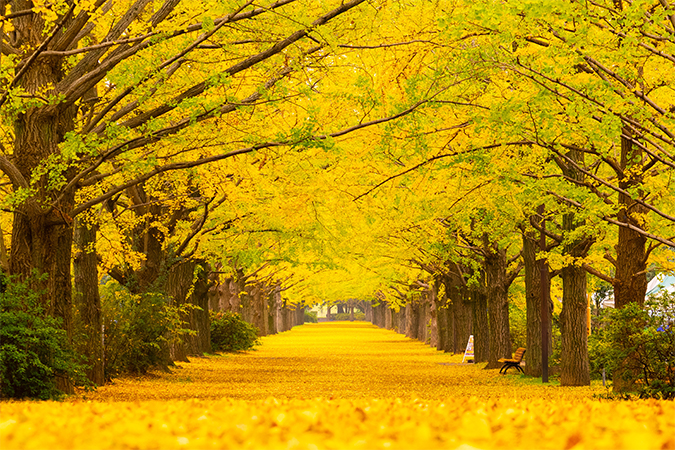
337 385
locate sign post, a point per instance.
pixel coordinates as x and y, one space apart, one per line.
468 353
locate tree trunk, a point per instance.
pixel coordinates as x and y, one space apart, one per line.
412 319
498 304
575 366
433 316
42 232
388 319
463 319
402 323
533 364
87 301
202 320
182 290
442 322
423 320
481 329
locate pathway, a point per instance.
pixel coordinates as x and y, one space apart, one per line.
336 386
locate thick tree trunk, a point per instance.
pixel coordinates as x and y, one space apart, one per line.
182 291
433 316
42 232
388 319
423 320
200 316
574 364
442 322
87 301
178 285
533 286
274 300
631 260
258 309
498 305
463 319
412 319
481 328
395 319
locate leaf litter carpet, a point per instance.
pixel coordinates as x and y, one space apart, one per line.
337 385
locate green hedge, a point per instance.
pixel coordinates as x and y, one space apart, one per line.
230 333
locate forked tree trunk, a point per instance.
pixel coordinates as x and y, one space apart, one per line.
87 301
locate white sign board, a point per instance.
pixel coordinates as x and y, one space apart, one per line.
468 354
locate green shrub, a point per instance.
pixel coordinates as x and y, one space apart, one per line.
310 317
230 333
345 316
643 340
34 350
136 330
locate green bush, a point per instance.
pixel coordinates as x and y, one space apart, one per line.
310 317
136 330
230 333
643 340
34 350
345 316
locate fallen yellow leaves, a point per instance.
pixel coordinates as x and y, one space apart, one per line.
337 386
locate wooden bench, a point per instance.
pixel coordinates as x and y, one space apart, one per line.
515 362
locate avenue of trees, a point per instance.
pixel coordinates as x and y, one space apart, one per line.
262 157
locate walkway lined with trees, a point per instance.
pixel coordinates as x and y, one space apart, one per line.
459 167
337 385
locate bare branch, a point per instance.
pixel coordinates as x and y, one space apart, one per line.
437 157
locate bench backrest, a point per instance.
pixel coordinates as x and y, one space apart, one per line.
519 354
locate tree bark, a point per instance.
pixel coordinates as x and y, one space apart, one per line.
412 319
574 363
42 232
87 301
423 320
433 316
533 307
442 321
481 329
183 290
498 304
630 284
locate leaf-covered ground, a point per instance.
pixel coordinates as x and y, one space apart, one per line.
337 385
